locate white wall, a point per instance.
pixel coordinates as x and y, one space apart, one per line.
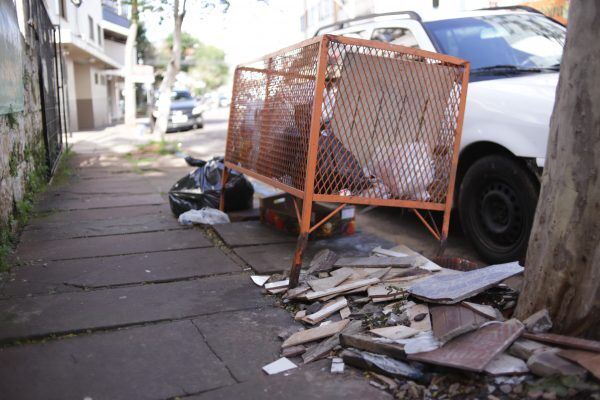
115 50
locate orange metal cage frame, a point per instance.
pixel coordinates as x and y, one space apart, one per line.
350 121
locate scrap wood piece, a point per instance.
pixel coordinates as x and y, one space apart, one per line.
427 263
379 272
277 284
390 383
474 350
380 364
276 291
341 289
378 262
587 359
452 288
373 345
260 280
327 283
324 348
293 351
299 315
419 317
345 312
388 252
397 307
454 320
296 292
505 364
565 341
310 335
385 290
422 342
281 365
327 310
395 332
484 310
323 261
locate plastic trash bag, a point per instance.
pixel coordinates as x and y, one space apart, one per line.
206 216
202 188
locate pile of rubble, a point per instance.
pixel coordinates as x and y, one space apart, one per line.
411 323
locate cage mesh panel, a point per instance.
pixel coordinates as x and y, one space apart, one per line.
270 116
396 115
388 121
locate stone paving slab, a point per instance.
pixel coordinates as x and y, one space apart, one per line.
310 381
74 312
75 228
257 345
63 275
98 246
278 257
150 362
68 201
251 233
108 186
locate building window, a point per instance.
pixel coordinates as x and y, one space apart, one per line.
96 78
91 24
62 8
102 80
99 35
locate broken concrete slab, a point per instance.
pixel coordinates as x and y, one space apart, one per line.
310 381
377 262
75 312
63 249
310 335
565 341
281 365
453 288
323 261
484 310
524 348
74 275
474 350
68 201
505 364
395 332
538 322
381 364
586 359
246 340
548 363
165 360
251 233
327 283
454 320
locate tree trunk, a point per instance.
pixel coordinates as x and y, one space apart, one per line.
562 270
130 60
166 86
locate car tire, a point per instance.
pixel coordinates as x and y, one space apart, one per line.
497 201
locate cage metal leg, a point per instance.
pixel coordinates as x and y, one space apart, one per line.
301 243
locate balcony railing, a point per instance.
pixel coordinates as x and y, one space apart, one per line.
111 12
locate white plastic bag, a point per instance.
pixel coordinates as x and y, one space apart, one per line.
205 216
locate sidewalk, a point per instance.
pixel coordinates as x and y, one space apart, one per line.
113 299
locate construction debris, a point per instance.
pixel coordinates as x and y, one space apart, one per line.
381 364
454 320
260 280
327 310
281 365
565 341
395 332
322 261
337 365
293 351
505 364
538 322
310 335
548 363
379 262
587 359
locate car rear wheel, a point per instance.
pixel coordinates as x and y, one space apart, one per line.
497 201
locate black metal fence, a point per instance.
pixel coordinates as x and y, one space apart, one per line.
51 77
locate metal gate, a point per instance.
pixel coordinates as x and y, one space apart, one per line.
50 67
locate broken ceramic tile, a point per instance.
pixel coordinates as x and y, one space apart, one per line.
337 365
504 364
260 280
310 335
395 332
380 364
454 320
281 365
538 322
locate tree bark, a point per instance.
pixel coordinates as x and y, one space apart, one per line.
562 270
166 86
130 61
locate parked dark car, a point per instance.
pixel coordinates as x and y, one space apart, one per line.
185 113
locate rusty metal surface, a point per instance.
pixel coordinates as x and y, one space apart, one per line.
387 129
474 350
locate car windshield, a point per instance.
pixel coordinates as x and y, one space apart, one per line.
511 41
180 95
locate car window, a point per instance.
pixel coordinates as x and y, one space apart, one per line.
180 95
401 36
356 34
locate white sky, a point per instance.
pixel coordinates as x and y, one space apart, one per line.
249 30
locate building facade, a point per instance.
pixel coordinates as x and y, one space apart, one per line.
93 36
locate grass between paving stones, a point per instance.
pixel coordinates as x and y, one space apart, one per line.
22 209
142 156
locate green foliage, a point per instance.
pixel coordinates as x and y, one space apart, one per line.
12 120
13 161
145 50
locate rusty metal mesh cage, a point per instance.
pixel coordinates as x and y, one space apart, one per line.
387 128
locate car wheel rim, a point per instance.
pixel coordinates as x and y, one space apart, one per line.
500 216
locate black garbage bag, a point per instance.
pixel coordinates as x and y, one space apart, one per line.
202 188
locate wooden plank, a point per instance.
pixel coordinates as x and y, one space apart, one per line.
484 310
327 310
587 359
474 350
428 265
322 261
452 288
277 284
327 283
345 312
395 332
417 320
382 364
313 334
454 320
341 289
380 251
378 262
324 348
372 345
565 341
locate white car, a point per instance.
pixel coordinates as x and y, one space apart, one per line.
515 56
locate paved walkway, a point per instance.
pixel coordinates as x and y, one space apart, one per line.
112 299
